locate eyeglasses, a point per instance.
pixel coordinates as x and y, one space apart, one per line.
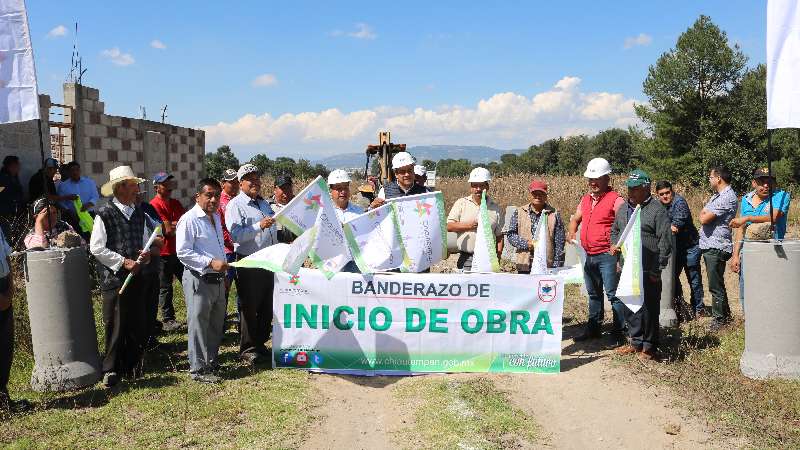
404 171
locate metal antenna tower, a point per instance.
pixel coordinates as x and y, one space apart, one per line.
76 69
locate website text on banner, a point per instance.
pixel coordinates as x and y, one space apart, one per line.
416 323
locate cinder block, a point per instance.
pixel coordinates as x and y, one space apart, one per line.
70 94
93 94
88 105
138 167
105 144
86 117
136 123
101 155
115 143
105 120
116 121
90 155
100 107
137 146
183 131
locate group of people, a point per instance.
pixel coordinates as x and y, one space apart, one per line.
230 220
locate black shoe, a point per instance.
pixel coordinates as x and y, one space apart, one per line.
587 335
617 339
110 379
14 406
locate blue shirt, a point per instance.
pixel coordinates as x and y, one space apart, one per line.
717 234
85 188
780 202
681 217
242 217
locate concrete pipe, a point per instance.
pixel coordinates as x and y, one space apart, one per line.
62 322
771 310
667 316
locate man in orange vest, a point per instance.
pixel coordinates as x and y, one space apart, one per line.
596 213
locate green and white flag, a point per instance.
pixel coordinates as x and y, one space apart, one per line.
630 289
374 240
539 260
269 258
311 216
422 228
484 259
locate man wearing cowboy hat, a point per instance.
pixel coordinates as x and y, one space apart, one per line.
117 241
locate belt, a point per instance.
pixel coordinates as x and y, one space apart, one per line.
211 277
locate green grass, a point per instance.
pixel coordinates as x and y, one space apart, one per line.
463 412
251 408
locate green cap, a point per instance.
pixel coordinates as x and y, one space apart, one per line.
637 177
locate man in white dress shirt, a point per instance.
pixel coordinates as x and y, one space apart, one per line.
339 184
200 247
117 241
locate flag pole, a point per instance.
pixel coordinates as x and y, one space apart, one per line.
769 172
44 179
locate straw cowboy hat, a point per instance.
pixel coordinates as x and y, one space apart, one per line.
118 175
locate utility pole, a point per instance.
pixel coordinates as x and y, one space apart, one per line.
164 114
143 112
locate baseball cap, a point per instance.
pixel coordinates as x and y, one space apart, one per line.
245 170
161 177
402 159
229 175
637 177
762 172
51 162
283 180
537 185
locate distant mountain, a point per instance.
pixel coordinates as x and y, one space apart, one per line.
474 153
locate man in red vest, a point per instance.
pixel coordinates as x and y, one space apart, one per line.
596 213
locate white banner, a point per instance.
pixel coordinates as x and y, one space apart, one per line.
18 92
484 258
783 64
374 240
423 229
539 261
398 324
630 289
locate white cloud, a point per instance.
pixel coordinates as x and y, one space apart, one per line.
57 32
362 31
634 41
264 80
117 57
504 120
155 43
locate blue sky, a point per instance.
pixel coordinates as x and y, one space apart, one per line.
314 79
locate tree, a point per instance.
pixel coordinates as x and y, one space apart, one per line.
216 163
687 88
615 145
455 168
429 164
572 153
263 163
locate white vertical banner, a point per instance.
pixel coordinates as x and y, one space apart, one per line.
374 240
484 259
783 64
630 289
19 96
423 229
539 260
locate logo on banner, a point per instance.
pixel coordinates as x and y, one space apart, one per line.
547 290
312 202
286 358
317 359
301 358
294 280
423 209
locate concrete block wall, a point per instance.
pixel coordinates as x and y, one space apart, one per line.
103 142
23 140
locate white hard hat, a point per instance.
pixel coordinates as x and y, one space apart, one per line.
338 176
479 175
597 168
246 169
420 170
402 159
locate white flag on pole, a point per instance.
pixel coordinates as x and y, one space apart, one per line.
630 289
422 229
539 260
18 91
374 240
484 259
311 216
783 64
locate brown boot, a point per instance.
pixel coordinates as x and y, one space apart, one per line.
648 355
625 350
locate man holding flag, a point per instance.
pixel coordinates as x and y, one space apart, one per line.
524 225
464 215
655 244
251 224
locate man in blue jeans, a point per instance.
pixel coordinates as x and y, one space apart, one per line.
595 214
687 258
